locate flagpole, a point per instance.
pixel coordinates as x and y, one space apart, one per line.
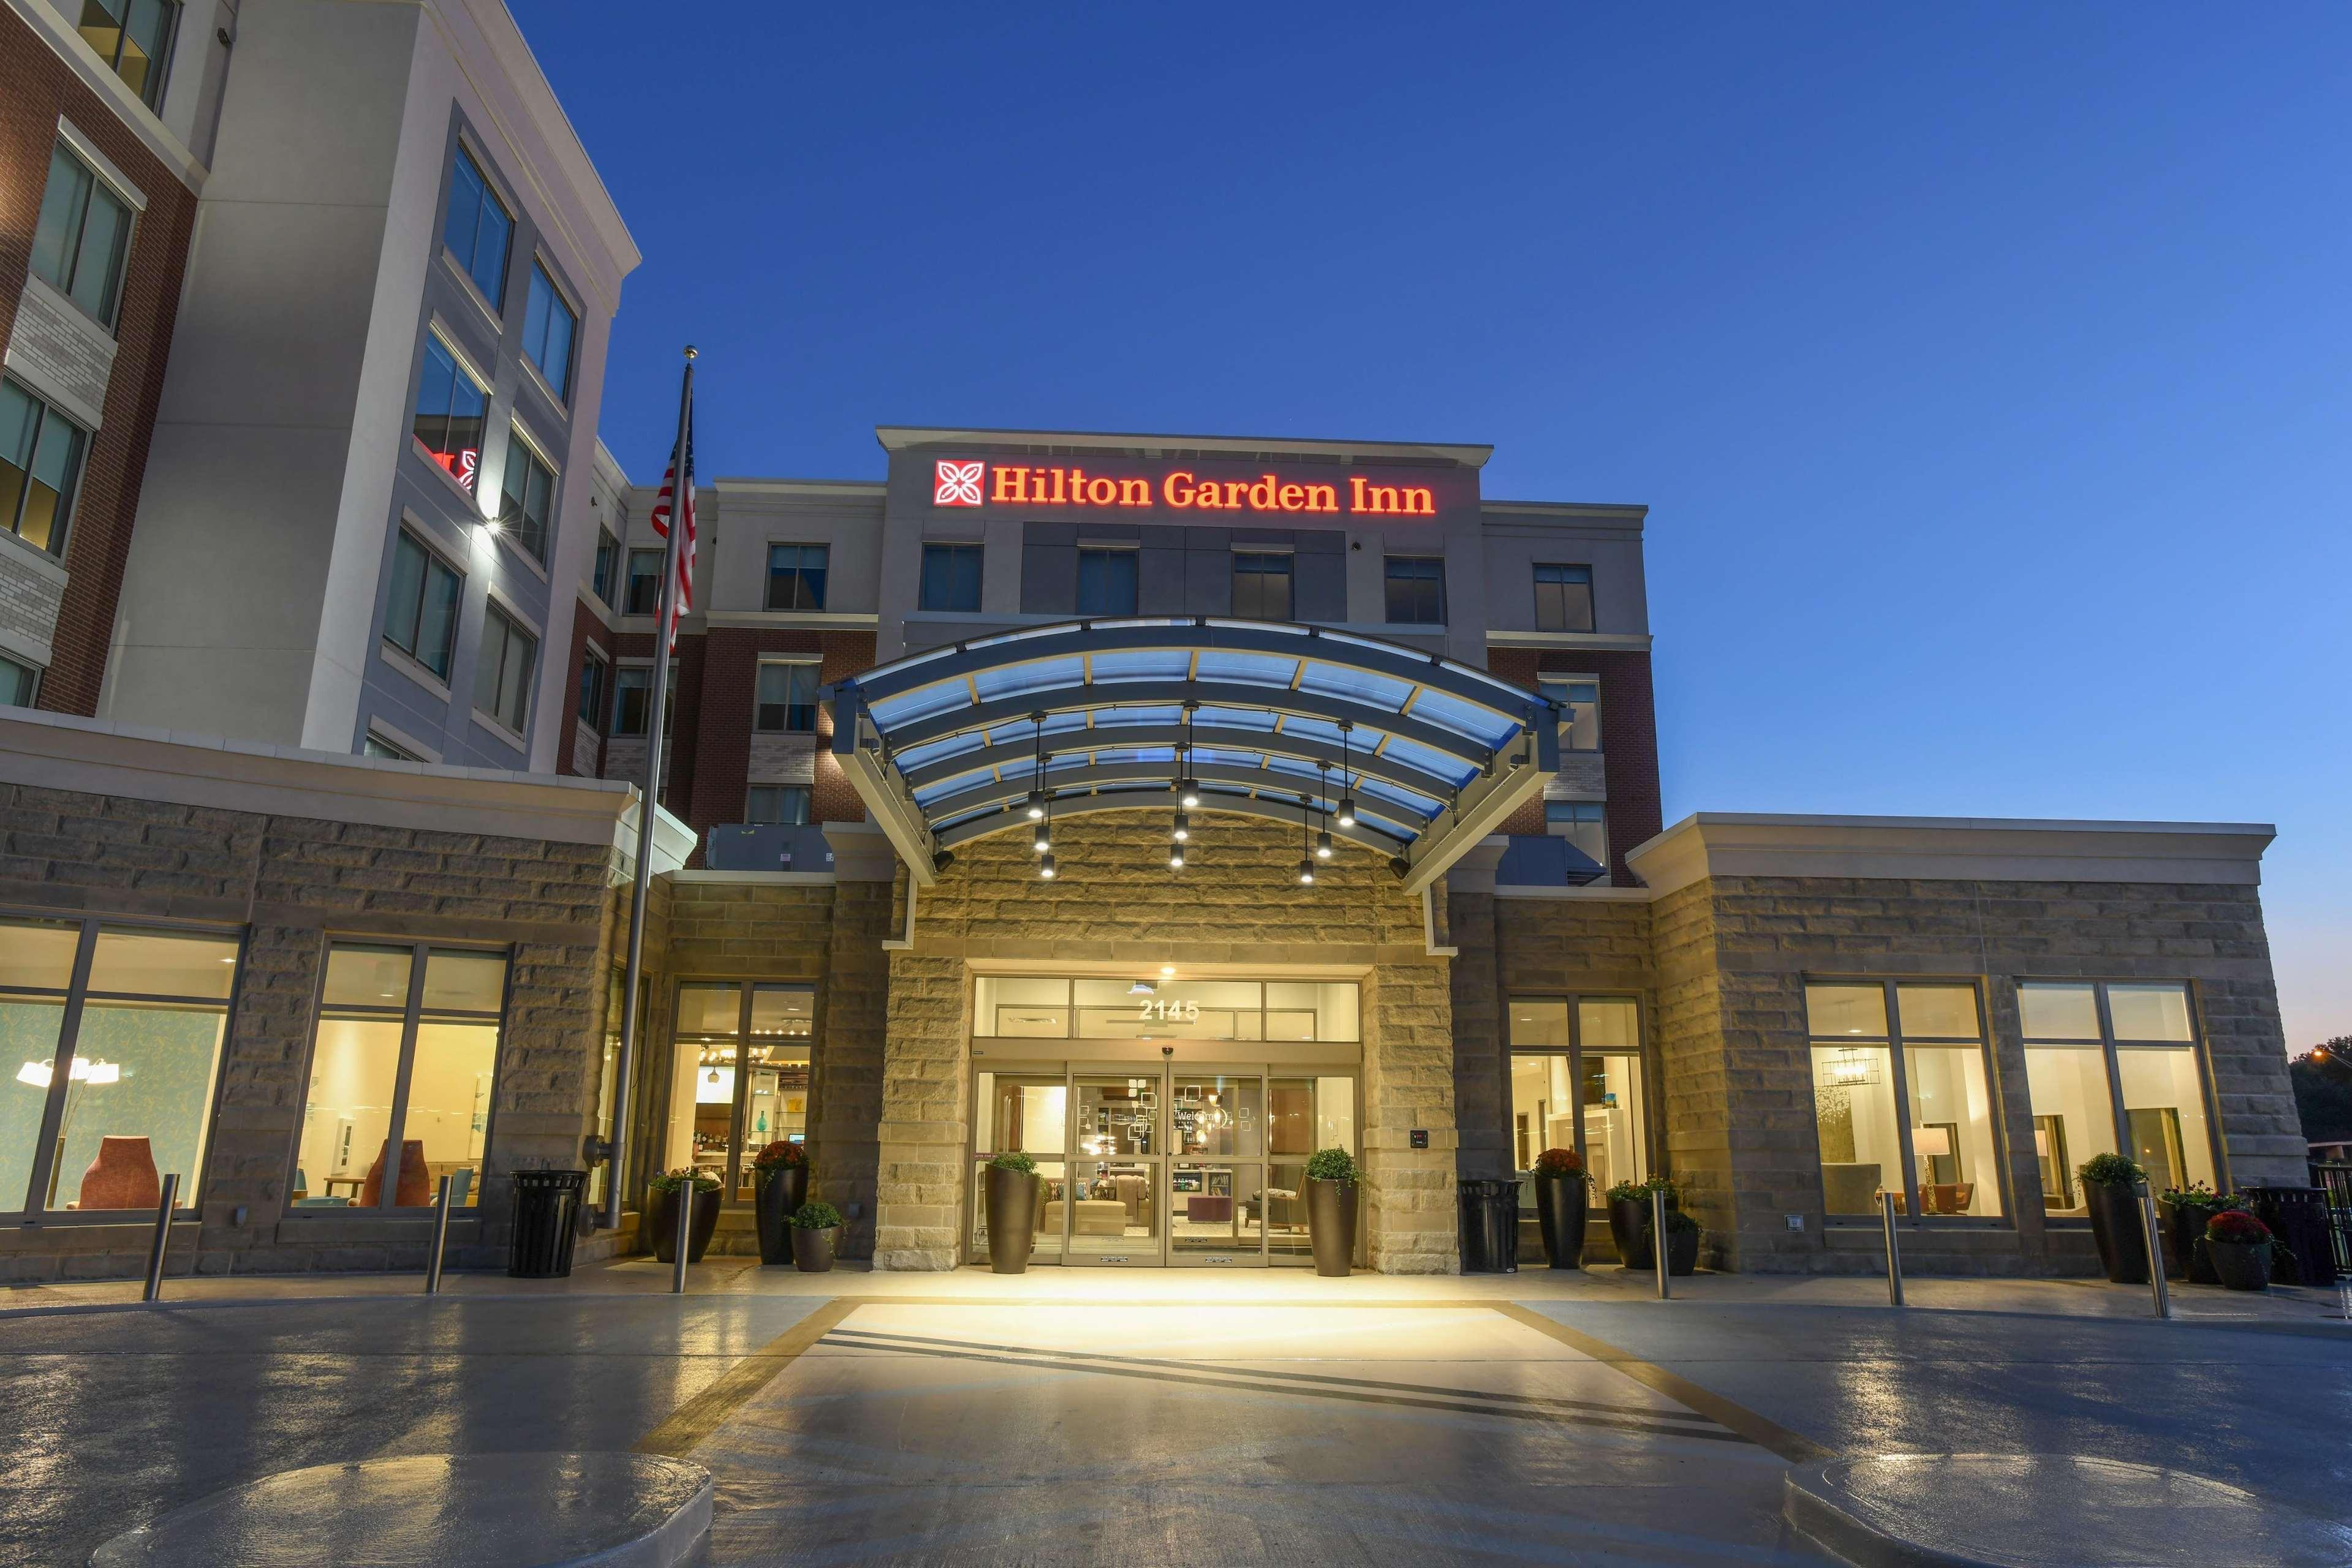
657 701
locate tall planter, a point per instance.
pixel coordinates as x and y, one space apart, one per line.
663 1207
1561 1213
812 1248
2184 1243
1331 1222
1011 1199
781 1191
2116 1229
1628 1229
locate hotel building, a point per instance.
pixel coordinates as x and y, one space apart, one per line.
1427 909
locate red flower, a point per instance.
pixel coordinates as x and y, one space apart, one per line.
784 1153
2235 1225
1559 1162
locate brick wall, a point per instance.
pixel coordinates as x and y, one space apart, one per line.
587 632
727 695
98 543
1629 742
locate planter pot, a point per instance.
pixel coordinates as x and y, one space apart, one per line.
1682 1251
1331 1222
1560 1211
2242 1265
782 1191
663 1208
2115 1226
2184 1243
1012 1198
812 1250
1629 1227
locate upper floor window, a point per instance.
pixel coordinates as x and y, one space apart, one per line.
83 235
40 466
1580 710
1563 598
479 230
595 678
787 698
1107 582
377 747
603 581
1262 587
450 406
18 682
420 615
796 577
528 506
134 38
548 326
1416 585
951 577
632 690
777 805
645 583
502 670
1583 823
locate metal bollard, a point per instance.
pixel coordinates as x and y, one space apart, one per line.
1658 1241
162 1241
1893 1250
2153 1229
440 1236
685 1227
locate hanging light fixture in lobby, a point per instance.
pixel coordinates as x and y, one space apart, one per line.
1346 812
1037 789
1305 862
1323 836
1188 789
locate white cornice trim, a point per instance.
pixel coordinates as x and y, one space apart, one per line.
1623 642
1591 893
899 437
1961 848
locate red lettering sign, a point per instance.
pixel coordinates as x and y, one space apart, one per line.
957 483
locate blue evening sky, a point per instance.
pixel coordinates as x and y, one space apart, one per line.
1985 369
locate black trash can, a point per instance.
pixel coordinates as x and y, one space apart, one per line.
2297 1217
546 1209
1490 1226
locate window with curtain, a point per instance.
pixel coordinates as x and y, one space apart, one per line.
1563 598
82 237
786 699
548 326
479 229
1900 1098
420 616
502 670
134 38
450 410
40 468
797 576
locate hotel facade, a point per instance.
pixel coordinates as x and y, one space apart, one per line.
928 889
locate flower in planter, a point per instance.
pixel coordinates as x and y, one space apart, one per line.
1563 1163
670 1181
1332 1165
783 1155
2195 1196
2111 1170
1013 1161
1640 1191
2237 1228
815 1215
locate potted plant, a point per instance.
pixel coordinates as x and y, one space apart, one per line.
1561 1184
662 1206
2187 1211
2111 1191
781 1171
2239 1246
814 1225
1331 1179
1629 1218
1010 1193
1681 1243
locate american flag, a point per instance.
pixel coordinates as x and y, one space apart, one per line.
660 520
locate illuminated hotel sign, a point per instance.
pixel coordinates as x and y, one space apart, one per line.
959 482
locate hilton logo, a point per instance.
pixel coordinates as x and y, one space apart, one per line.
956 484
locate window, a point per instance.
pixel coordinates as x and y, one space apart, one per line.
405 1057
1581 823
502 672
951 577
739 1076
1576 1083
420 617
1580 710
528 505
787 699
128 1074
84 233
1262 587
134 38
378 747
633 686
1878 1044
1563 598
2109 1066
40 466
451 404
1107 582
604 581
774 804
595 678
548 328
479 229
18 682
1173 1010
796 577
645 583
1416 591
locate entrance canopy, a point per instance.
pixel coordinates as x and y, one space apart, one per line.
944 746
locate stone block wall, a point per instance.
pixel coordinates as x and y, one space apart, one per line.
1410 1212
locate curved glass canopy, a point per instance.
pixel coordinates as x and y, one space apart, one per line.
1271 718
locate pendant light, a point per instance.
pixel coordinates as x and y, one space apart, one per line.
1175 857
1188 789
1042 841
1037 774
1305 862
1323 836
1346 812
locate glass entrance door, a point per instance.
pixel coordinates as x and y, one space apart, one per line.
1117 1207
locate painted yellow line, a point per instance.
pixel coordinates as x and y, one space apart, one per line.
1765 1434
700 1417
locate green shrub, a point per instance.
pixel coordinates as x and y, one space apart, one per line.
2111 1170
1013 1161
815 1215
1332 1165
1680 1224
670 1181
1640 1191
2195 1196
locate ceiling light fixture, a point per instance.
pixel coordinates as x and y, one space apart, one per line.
1306 863
1323 836
1037 772
1346 816
1188 789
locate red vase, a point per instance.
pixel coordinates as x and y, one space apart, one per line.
415 1188
122 1177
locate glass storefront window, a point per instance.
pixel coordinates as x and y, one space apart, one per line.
405 1057
2114 1067
1881 1044
1953 1158
1854 1116
1576 1083
94 1119
1303 1114
739 1076
2164 1113
2072 1119
1152 1006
